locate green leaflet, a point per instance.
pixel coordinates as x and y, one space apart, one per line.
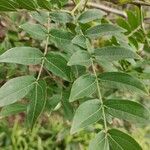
37 103
22 55
80 40
82 87
104 30
113 140
12 109
121 141
80 58
88 113
8 5
27 4
63 39
122 80
128 110
100 142
61 17
35 30
91 15
44 4
112 53
53 101
15 89
57 64
41 17
68 110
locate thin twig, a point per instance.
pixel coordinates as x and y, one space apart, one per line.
143 27
102 7
46 49
140 3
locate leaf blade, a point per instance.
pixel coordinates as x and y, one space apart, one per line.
88 113
12 109
112 53
57 64
83 86
122 80
15 89
37 104
122 141
128 110
103 30
91 15
22 55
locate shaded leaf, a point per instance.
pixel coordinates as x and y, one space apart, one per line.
88 113
22 55
12 109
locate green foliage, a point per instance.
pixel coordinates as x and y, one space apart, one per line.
85 61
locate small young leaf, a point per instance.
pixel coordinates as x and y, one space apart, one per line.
61 17
15 89
22 55
91 15
57 64
12 109
128 110
29 5
100 142
35 30
112 53
124 24
82 87
121 141
37 103
88 113
80 58
122 80
104 30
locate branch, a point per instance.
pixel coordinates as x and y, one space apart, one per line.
107 9
140 3
104 8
